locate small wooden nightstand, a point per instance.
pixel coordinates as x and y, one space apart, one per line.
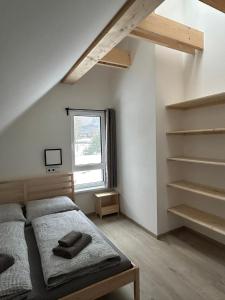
107 203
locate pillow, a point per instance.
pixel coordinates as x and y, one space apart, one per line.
39 208
11 212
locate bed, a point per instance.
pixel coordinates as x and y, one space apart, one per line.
87 287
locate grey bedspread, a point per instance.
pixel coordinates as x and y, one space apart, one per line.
56 270
15 282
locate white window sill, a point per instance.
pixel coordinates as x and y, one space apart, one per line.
90 190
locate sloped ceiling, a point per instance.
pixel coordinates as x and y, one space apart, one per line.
39 42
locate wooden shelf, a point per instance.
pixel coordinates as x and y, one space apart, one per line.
210 100
197 131
215 223
195 160
203 190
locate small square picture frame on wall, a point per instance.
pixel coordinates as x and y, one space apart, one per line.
53 157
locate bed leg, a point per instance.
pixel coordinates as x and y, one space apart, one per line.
137 285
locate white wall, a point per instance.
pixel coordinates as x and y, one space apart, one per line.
204 74
47 125
40 41
134 101
141 93
169 88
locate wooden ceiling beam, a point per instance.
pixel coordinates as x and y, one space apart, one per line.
217 4
169 33
117 58
130 15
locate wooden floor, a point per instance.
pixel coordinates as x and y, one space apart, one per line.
180 266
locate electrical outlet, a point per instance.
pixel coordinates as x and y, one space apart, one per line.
51 169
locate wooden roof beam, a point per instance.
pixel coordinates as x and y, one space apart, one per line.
217 4
117 58
130 15
169 33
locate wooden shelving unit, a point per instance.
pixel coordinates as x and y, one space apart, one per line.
215 223
199 102
197 131
198 160
203 190
192 214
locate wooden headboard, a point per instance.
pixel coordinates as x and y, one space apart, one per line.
24 190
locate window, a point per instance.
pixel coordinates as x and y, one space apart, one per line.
89 149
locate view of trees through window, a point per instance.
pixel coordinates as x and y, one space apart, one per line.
88 150
87 140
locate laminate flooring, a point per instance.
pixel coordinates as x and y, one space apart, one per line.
180 266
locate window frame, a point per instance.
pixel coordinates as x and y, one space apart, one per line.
91 166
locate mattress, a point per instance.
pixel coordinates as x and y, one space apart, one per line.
40 292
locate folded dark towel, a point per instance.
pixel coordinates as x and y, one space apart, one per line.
69 239
6 261
70 252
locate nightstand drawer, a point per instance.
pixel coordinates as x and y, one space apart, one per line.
111 209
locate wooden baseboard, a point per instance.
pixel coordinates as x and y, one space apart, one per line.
173 231
199 234
159 236
176 230
203 236
92 214
139 225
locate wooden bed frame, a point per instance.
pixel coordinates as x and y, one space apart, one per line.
23 190
108 285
